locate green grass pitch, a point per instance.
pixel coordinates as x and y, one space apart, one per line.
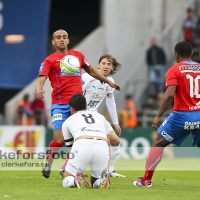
175 179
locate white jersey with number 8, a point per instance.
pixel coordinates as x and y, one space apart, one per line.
85 123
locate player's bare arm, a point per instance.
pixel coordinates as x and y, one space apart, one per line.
96 74
117 129
111 105
166 102
39 87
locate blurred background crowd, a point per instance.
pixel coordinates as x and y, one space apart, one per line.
141 34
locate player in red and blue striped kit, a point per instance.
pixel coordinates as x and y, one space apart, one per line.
182 83
64 86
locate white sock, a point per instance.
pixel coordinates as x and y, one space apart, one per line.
96 183
115 151
68 182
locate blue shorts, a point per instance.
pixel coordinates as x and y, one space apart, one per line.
59 113
178 125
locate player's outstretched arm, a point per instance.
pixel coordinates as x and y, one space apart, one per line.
96 74
39 87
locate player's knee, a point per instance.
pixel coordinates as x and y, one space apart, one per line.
68 182
159 142
115 141
65 183
58 136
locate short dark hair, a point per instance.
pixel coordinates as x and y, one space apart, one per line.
128 96
190 10
77 102
183 49
116 65
26 97
53 35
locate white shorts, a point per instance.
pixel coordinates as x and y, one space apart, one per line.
88 151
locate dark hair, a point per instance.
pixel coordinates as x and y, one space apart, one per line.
183 49
114 62
26 97
77 102
128 96
190 10
56 31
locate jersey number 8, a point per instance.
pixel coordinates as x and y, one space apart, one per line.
88 119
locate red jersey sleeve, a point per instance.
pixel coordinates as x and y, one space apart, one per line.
84 62
45 68
171 77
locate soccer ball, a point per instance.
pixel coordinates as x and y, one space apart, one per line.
70 64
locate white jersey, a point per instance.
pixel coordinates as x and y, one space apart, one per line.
95 91
84 123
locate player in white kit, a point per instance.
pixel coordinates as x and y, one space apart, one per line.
89 133
94 92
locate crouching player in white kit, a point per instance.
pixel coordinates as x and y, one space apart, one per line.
94 92
90 133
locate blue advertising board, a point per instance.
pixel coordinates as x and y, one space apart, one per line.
23 40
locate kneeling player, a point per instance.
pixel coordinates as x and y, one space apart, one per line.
90 133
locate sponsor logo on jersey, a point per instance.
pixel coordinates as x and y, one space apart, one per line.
166 136
194 107
56 117
92 104
198 103
96 96
189 68
101 88
192 125
41 67
92 130
83 82
58 60
76 74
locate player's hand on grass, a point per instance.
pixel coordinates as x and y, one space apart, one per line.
117 129
40 93
156 123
